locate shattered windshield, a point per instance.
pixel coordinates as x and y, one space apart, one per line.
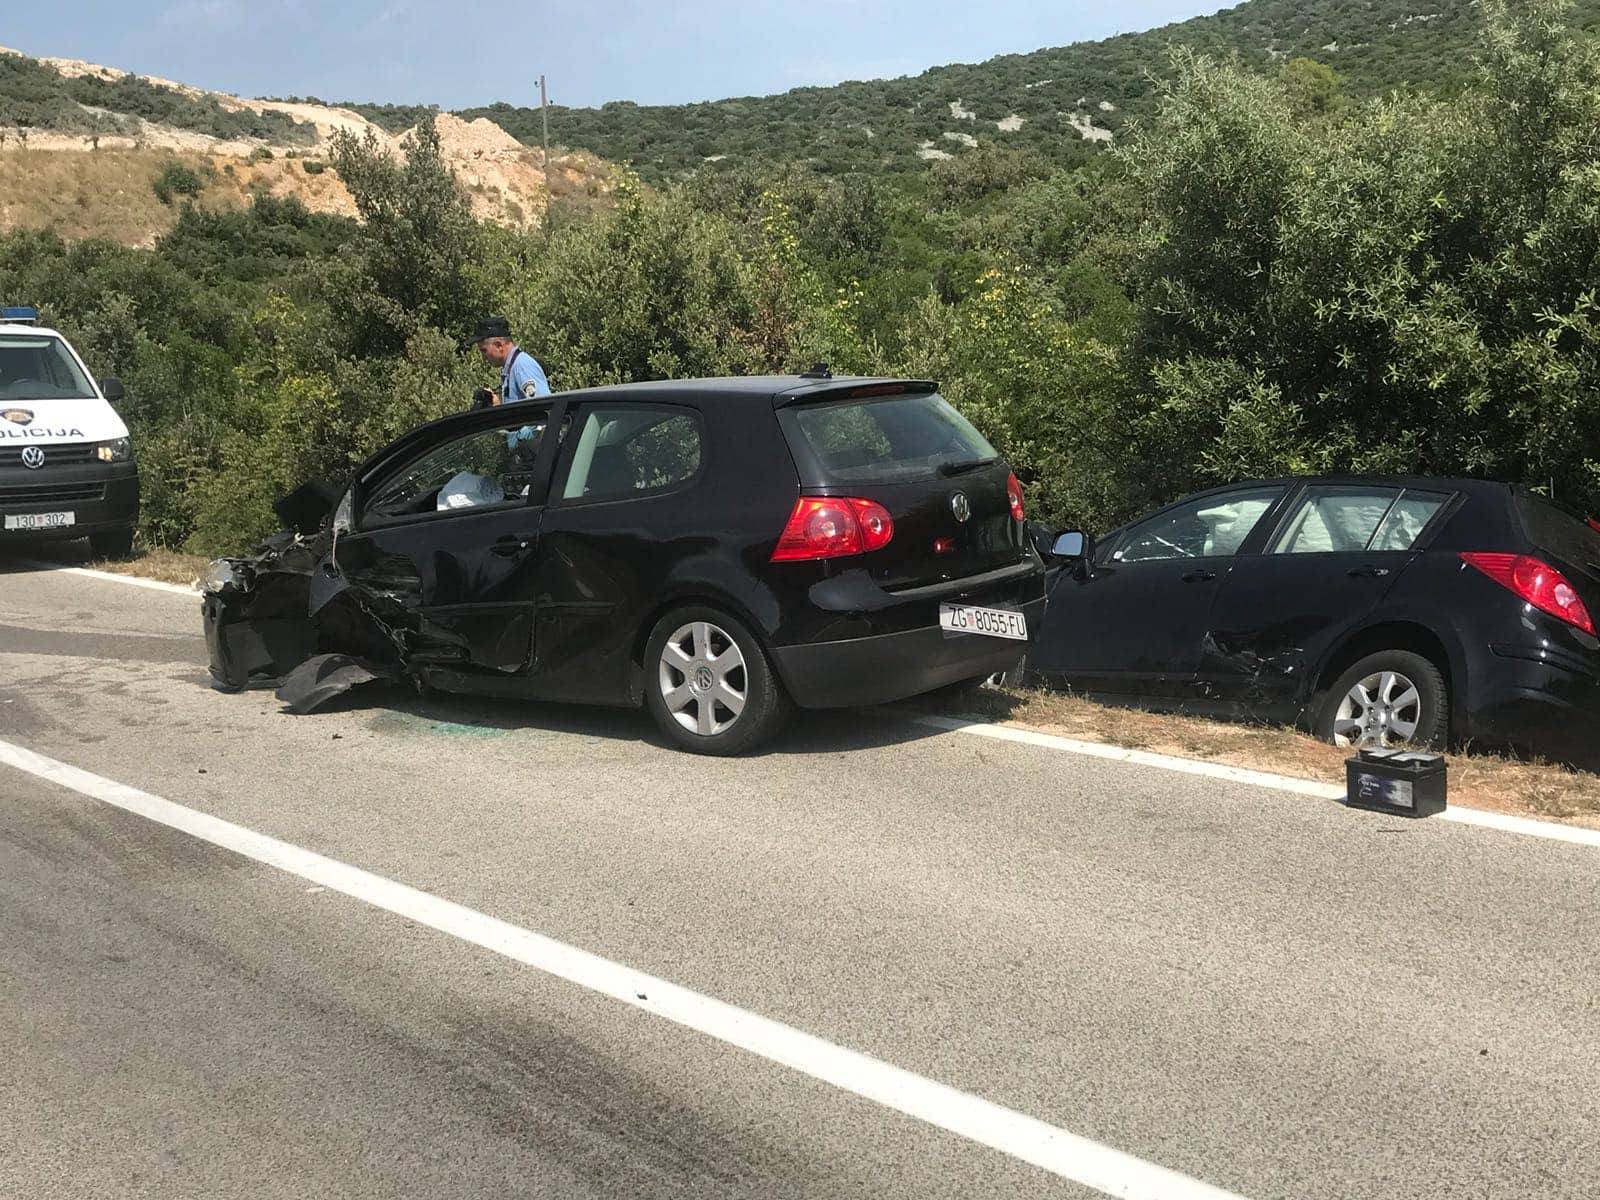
39 368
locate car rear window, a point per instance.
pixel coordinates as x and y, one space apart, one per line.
883 438
1560 532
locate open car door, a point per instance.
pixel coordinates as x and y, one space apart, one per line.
445 537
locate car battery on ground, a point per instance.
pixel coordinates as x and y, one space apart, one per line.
1407 782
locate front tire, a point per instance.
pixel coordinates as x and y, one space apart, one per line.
112 543
709 685
1390 699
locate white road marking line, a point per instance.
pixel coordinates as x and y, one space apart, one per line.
1057 1151
1575 834
154 585
1549 830
1143 758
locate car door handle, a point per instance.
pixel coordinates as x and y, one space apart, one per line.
1367 572
1199 576
512 544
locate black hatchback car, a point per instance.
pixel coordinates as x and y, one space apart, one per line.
1375 610
713 549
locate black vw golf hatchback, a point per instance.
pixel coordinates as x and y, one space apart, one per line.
1376 610
716 550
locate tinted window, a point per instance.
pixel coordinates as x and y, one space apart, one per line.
632 451
1335 520
1211 528
896 437
1558 531
39 368
489 468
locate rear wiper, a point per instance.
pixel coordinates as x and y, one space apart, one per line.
948 469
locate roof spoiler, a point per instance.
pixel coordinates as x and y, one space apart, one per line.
853 389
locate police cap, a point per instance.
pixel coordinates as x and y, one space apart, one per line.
490 327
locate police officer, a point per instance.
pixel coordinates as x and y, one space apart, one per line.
521 376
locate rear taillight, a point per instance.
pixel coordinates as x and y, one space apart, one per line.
1014 494
833 527
1537 582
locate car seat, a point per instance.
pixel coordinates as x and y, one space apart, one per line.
610 473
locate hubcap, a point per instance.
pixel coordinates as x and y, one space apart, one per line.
1384 709
703 679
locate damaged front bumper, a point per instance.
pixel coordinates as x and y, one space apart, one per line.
256 613
286 618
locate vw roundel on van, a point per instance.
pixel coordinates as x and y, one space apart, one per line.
715 550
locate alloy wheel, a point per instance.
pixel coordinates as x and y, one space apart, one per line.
1384 709
703 678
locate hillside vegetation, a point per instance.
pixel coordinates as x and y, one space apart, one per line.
1056 102
34 95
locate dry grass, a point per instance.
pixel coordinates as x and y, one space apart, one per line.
84 194
1476 781
169 566
108 194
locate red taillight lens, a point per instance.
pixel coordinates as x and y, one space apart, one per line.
1537 582
1014 494
833 527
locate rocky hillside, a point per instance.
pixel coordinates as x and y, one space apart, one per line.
83 148
1055 102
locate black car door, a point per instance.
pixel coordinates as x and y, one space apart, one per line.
1334 555
627 508
1131 623
448 540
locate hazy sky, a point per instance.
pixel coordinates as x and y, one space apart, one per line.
472 52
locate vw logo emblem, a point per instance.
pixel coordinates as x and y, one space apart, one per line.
32 457
961 507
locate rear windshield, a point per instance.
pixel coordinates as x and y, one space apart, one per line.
1558 531
883 439
39 368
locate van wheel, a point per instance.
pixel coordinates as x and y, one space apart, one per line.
113 543
708 683
1389 699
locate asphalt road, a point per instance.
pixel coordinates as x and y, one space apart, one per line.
1272 994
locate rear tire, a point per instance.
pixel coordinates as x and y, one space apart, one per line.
709 685
1389 699
113 543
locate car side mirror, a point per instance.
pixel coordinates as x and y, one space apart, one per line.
111 388
1072 545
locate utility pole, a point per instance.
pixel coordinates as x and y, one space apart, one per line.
544 118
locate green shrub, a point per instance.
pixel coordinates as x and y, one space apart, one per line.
174 180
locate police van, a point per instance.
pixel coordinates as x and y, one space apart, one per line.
66 461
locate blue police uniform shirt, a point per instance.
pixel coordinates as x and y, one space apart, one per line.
522 378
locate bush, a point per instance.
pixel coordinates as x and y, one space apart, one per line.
175 179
